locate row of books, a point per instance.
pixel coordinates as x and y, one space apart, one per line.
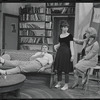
66 10
31 25
31 32
32 17
26 33
36 40
30 9
60 4
34 26
30 47
32 40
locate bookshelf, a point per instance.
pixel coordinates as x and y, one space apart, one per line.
31 27
61 9
36 24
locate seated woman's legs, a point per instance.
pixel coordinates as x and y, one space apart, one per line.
76 76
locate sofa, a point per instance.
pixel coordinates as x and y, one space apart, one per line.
24 55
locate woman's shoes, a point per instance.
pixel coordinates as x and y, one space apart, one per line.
74 86
58 86
65 87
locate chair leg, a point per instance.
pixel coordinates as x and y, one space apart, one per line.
87 83
98 82
51 80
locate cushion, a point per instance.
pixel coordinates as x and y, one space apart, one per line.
6 57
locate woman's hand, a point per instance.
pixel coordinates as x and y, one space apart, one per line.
55 47
72 58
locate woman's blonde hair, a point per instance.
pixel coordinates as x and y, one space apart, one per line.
92 31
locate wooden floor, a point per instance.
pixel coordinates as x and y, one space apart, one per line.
37 87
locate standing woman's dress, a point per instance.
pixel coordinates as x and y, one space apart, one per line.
62 61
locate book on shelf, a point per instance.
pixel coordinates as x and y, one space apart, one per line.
49 40
38 39
31 25
36 26
41 17
25 33
48 10
42 9
48 18
48 25
24 47
49 33
34 39
31 33
64 10
30 40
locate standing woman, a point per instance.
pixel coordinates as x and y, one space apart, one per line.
64 55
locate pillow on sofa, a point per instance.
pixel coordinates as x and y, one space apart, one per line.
6 57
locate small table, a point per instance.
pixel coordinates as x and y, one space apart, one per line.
12 83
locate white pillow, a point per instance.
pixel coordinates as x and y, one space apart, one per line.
6 57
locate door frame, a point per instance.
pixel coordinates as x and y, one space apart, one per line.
3 35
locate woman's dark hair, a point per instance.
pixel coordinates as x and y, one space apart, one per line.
64 23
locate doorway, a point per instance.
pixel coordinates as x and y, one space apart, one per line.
56 26
10 31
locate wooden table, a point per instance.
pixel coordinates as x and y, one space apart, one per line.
12 83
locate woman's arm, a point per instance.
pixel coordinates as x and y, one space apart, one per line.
56 46
93 52
72 50
78 41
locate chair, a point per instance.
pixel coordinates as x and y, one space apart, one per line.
93 77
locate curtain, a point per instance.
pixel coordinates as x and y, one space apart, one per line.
95 22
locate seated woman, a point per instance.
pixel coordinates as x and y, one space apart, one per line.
38 62
89 55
